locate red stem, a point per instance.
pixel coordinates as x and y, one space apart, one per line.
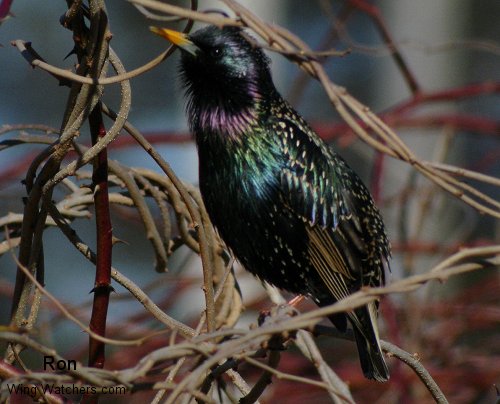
5 9
376 15
102 286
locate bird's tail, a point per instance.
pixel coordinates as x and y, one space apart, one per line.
364 321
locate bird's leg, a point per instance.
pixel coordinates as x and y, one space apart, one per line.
291 303
296 300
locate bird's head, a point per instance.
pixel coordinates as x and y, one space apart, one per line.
223 72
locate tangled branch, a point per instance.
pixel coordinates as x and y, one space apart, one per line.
210 352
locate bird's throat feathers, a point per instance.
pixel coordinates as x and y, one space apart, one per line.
228 118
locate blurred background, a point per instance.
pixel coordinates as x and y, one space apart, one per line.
454 327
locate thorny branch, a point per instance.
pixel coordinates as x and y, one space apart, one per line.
284 42
359 117
213 354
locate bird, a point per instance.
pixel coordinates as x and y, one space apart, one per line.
286 204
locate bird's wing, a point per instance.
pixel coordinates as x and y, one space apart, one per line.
317 185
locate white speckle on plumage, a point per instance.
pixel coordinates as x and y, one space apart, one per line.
274 170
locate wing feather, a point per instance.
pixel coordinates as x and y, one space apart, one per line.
318 186
346 245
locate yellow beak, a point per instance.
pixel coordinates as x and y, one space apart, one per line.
177 38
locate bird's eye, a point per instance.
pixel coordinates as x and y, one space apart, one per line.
216 52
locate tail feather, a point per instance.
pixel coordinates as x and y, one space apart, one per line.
364 322
370 356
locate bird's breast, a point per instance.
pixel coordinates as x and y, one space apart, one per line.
242 196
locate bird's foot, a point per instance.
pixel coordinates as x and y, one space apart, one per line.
296 300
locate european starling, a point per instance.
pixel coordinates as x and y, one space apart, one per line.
290 208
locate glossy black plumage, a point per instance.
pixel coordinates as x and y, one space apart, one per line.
289 207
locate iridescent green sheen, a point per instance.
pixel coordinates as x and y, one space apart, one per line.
287 205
